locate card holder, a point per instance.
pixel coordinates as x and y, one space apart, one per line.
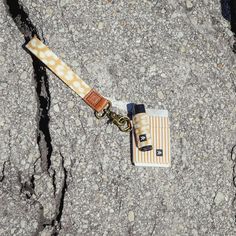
160 155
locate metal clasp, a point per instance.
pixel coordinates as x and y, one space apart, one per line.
122 122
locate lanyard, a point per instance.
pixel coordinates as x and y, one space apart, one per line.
100 105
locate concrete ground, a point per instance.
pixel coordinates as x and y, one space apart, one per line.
72 175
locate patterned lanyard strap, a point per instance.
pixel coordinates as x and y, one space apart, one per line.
100 105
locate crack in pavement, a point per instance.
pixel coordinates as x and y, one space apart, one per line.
60 199
233 158
3 171
232 5
229 13
26 27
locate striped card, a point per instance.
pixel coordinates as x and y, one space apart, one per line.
159 156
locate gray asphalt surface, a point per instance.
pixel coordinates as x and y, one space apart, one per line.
168 54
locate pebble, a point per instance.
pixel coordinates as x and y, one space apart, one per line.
90 121
131 216
180 35
49 11
23 224
1 40
163 11
95 187
189 4
153 68
24 75
2 59
100 25
56 108
182 49
142 69
27 166
112 211
160 95
163 75
219 198
71 104
2 122
228 85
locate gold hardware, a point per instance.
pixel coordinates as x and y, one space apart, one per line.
100 115
122 122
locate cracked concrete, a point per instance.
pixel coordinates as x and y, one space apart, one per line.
62 172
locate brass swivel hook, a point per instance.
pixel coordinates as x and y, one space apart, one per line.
122 122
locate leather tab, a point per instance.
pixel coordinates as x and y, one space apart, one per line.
95 100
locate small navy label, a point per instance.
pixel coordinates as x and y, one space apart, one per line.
142 137
159 152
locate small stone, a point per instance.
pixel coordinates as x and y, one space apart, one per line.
142 69
2 59
90 121
189 4
24 75
160 95
64 2
219 198
56 108
75 63
182 49
112 211
180 35
71 104
220 65
153 68
49 11
22 224
67 162
2 122
163 75
228 85
27 166
131 216
1 40
100 25
95 187
163 11
61 30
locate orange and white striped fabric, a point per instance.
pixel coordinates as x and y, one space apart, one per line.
160 132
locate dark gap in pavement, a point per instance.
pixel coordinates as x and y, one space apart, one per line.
233 159
225 9
26 27
61 197
228 10
3 172
233 15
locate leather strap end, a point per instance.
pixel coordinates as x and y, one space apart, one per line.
95 100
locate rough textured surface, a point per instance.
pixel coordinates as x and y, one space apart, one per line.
167 54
